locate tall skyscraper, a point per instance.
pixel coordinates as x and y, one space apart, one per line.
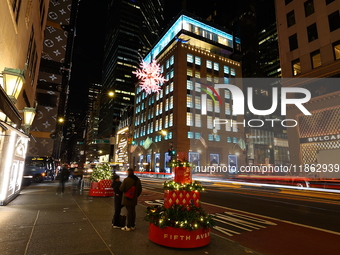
132 28
54 76
309 43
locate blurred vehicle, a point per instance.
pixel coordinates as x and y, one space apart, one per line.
76 173
39 169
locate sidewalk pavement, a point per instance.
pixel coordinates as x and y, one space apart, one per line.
39 222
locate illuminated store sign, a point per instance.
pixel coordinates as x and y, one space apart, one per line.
324 138
14 146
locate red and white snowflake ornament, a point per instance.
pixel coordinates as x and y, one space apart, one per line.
150 77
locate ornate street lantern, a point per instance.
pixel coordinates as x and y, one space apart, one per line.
29 114
13 82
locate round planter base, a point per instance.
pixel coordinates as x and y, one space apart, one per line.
179 237
101 193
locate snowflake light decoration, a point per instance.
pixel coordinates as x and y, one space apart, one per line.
150 77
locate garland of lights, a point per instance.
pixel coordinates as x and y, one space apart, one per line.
176 163
193 186
178 216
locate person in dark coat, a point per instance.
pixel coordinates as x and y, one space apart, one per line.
63 177
117 201
130 204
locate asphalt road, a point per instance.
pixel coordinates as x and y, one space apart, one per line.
316 209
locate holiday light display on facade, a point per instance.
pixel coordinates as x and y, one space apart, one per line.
150 77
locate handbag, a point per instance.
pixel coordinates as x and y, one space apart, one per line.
131 192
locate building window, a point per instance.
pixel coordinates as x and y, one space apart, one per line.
334 21
190 135
189 85
189 101
189 72
190 120
290 19
296 65
209 122
228 139
288 1
167 64
232 72
227 108
197 61
172 59
16 9
209 64
210 137
197 87
197 102
171 120
309 7
209 105
190 58
336 48
198 122
235 139
171 104
217 138
217 106
329 1
197 136
316 59
312 32
197 75
209 77
227 93
166 104
216 67
226 69
293 42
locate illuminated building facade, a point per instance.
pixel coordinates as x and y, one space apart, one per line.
309 43
191 54
21 28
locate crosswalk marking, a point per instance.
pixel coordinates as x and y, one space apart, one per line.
239 222
225 231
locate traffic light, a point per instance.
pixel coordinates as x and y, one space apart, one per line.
173 152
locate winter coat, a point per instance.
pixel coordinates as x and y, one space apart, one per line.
64 174
126 185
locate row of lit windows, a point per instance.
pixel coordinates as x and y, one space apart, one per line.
315 57
194 119
141 118
157 138
209 64
157 125
211 137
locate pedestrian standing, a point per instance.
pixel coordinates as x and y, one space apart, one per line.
63 177
117 201
130 203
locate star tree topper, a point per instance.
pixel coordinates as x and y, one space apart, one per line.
150 77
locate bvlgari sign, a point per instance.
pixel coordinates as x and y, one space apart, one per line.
317 139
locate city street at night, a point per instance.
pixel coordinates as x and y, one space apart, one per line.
178 127
249 220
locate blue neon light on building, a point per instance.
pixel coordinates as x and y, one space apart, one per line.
194 26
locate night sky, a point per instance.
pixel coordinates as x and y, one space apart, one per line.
87 52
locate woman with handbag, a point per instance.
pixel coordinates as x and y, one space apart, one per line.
132 188
118 220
